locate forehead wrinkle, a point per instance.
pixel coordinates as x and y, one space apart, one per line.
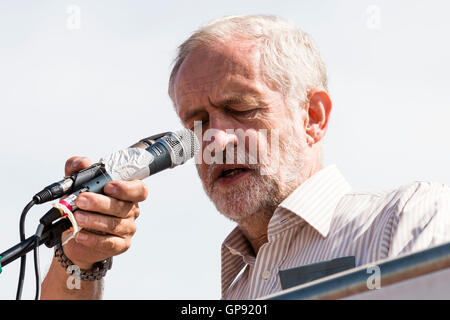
240 60
233 67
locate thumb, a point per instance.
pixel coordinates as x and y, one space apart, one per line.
76 164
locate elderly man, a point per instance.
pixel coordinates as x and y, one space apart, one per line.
259 73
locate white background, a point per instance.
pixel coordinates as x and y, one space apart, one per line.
95 89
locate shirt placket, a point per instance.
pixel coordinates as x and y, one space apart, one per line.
262 274
270 257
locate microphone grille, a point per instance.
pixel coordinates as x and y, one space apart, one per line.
184 144
189 141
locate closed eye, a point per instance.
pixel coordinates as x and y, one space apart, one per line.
247 113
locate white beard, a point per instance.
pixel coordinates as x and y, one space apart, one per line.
255 192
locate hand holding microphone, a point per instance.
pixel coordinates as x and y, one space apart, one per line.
104 197
108 219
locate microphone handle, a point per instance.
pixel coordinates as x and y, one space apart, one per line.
83 176
96 185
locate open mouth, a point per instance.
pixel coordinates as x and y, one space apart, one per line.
231 175
231 172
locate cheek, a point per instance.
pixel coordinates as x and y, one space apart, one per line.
202 170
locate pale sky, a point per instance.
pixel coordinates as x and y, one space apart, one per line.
98 84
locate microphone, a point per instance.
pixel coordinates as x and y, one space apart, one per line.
73 182
143 159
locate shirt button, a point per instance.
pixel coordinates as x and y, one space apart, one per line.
233 252
266 275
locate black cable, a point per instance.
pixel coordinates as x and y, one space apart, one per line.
37 272
23 259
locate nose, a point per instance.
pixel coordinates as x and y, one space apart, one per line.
220 138
219 146
222 130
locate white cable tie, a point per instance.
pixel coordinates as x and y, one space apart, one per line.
75 228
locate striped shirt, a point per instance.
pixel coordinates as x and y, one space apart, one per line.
325 219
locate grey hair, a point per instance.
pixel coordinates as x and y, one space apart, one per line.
290 61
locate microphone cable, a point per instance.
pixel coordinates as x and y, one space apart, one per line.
37 272
37 237
23 259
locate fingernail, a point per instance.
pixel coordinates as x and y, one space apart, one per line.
110 189
81 237
82 202
80 217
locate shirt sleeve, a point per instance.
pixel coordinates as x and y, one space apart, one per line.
422 219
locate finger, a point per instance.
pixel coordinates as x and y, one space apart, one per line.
110 245
76 164
95 202
133 191
105 224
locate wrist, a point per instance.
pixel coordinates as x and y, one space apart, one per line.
58 285
83 265
84 271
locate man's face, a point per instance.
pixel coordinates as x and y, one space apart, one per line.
222 87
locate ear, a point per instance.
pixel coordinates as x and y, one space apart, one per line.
317 114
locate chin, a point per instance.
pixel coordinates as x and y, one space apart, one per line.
235 211
244 198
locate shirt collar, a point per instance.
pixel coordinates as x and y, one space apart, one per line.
235 249
238 245
315 200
